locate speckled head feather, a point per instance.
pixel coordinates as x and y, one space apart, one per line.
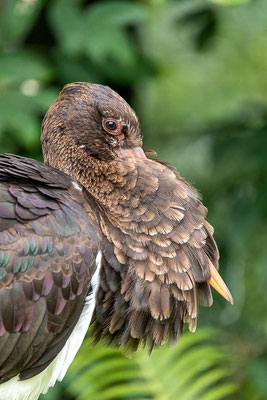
76 117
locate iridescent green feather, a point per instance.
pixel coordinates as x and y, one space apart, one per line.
2 273
17 265
26 247
4 258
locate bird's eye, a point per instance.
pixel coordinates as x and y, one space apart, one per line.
111 125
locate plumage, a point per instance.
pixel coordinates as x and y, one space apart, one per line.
31 388
47 260
97 193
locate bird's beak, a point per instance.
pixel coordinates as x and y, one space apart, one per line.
218 284
136 152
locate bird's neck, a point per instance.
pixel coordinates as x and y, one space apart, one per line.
99 178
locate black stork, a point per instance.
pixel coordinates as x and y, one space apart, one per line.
97 234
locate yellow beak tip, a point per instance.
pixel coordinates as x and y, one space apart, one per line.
218 284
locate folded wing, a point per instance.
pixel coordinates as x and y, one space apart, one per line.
48 248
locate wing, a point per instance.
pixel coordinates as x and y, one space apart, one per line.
48 249
157 255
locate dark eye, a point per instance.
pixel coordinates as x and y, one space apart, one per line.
111 125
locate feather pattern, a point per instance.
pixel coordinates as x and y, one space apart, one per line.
48 248
149 223
31 388
156 257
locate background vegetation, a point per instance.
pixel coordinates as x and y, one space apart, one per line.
195 71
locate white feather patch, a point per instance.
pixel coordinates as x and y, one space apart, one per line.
31 389
77 186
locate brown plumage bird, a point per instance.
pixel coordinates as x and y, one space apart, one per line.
99 228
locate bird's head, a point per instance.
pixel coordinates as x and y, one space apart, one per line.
94 118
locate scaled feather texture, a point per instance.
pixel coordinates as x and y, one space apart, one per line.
97 193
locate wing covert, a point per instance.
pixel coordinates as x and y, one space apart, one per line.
48 247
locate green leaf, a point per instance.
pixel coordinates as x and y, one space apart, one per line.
190 370
19 66
64 14
220 392
16 19
98 30
230 2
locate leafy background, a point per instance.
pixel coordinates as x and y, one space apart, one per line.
195 71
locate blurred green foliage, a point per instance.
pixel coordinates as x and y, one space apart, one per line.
199 368
195 71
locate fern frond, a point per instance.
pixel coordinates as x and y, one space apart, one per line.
198 367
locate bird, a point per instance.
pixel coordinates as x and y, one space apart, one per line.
98 235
